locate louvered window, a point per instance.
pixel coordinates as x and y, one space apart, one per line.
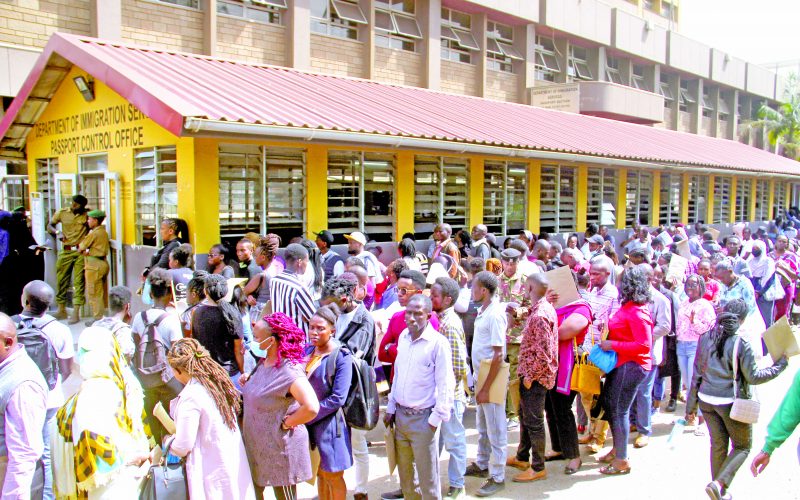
246 173
698 192
762 201
558 198
156 191
669 210
361 193
743 199
45 168
637 196
441 190
779 202
722 200
504 196
602 196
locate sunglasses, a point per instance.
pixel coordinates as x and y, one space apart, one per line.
403 291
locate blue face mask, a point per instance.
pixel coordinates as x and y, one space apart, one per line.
255 348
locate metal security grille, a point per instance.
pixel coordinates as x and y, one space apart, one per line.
722 200
602 196
558 199
45 168
779 201
504 196
743 199
156 191
698 192
441 190
669 209
637 196
762 201
361 193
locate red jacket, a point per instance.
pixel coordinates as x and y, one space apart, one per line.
397 324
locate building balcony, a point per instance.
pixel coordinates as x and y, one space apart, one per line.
619 102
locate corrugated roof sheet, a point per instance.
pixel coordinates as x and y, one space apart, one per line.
170 87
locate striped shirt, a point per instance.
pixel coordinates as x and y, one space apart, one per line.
290 297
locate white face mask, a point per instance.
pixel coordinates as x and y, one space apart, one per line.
255 347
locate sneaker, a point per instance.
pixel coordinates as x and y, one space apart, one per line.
641 441
512 424
490 487
671 406
455 493
392 495
475 471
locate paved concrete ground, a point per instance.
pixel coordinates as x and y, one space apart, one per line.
659 472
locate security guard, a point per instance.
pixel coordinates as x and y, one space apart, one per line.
95 250
69 266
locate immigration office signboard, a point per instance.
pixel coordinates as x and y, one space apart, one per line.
558 96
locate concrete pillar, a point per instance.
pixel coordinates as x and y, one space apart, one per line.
652 78
525 43
714 98
366 33
596 59
430 20
210 27
106 19
675 89
298 35
562 54
626 71
732 98
479 31
696 109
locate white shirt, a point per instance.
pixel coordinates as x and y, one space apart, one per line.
373 266
527 267
60 337
490 332
423 375
169 328
344 320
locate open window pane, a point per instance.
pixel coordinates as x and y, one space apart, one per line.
742 199
637 196
722 200
383 21
466 40
349 12
613 76
550 61
447 33
156 191
762 201
602 196
494 196
407 26
582 70
666 91
492 47
510 51
687 96
557 199
698 193
271 3
240 189
669 210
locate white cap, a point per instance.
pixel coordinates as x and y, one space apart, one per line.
357 236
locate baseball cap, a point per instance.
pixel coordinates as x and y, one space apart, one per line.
596 239
326 236
357 236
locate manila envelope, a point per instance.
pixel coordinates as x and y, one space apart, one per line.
714 233
562 282
683 249
499 388
391 451
781 340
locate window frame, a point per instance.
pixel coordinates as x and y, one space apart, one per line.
438 192
743 193
638 198
346 28
397 37
500 51
669 208
545 54
578 68
722 196
602 183
612 70
269 7
48 193
698 198
559 210
497 216
195 4
158 190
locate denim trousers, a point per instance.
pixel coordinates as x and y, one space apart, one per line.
417 446
686 352
643 402
622 383
49 427
561 423
492 439
725 461
532 439
453 438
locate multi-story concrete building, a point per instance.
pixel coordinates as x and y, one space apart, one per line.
234 146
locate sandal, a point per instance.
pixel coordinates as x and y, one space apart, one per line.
608 457
553 457
572 470
611 470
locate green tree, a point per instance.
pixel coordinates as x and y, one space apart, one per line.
782 124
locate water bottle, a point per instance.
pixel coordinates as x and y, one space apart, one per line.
677 432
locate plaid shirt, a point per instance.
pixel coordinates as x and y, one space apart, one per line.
450 326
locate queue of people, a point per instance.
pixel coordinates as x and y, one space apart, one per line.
259 379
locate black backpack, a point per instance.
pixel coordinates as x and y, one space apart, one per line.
150 357
38 347
362 405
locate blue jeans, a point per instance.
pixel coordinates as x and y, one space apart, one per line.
622 384
453 438
48 469
686 352
644 402
492 439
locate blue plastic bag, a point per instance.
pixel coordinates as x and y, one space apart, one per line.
605 360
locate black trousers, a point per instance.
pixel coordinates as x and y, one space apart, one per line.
163 394
561 423
724 431
532 436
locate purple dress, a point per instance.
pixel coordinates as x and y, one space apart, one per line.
277 457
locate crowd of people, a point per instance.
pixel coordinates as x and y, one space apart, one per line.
259 360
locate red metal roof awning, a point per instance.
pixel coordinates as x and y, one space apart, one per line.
173 87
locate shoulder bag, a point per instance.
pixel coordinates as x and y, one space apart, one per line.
166 481
743 410
774 289
585 375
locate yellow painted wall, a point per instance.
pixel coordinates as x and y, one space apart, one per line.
534 188
685 197
622 182
404 192
475 191
655 199
65 131
710 200
198 190
583 197
732 200
316 189
752 212
771 204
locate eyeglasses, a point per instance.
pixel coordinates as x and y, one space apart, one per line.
212 254
403 291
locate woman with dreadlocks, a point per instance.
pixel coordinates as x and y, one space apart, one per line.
278 401
712 389
207 432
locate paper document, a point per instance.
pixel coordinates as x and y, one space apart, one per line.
161 414
562 282
499 388
665 238
714 233
781 340
683 249
677 268
391 453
